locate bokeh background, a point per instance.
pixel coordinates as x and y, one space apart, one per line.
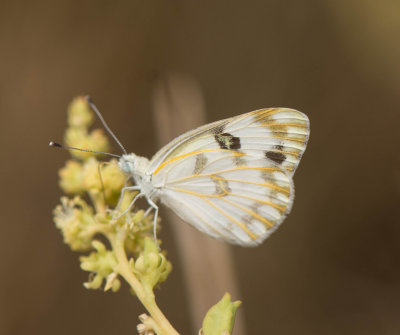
333 266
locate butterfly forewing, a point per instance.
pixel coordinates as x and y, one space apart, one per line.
232 179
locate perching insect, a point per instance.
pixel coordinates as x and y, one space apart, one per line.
230 179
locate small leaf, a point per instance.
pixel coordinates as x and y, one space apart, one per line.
221 317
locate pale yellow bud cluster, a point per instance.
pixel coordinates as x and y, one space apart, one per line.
151 266
80 222
80 117
79 113
71 177
93 177
75 220
102 263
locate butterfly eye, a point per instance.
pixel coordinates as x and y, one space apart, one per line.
126 164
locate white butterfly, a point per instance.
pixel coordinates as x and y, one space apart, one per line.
231 179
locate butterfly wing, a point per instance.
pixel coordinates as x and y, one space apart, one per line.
232 179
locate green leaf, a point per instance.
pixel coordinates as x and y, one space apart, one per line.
221 317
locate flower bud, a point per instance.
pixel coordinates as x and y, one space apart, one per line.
138 217
139 264
95 283
79 113
80 138
75 218
151 266
100 247
116 285
102 262
71 177
91 179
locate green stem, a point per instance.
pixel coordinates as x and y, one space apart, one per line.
146 296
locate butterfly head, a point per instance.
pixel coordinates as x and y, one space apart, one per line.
133 165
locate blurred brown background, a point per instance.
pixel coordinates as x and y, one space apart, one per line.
333 266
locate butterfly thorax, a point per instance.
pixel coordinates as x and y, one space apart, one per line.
136 166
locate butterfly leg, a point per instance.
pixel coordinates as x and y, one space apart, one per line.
137 196
123 190
148 210
153 205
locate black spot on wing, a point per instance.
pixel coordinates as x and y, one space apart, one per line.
228 141
276 156
234 142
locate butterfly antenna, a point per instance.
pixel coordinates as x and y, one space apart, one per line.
58 145
94 109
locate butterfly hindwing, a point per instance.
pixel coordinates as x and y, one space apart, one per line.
241 204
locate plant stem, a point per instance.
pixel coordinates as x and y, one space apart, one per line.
146 296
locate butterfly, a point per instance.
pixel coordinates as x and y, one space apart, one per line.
231 179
